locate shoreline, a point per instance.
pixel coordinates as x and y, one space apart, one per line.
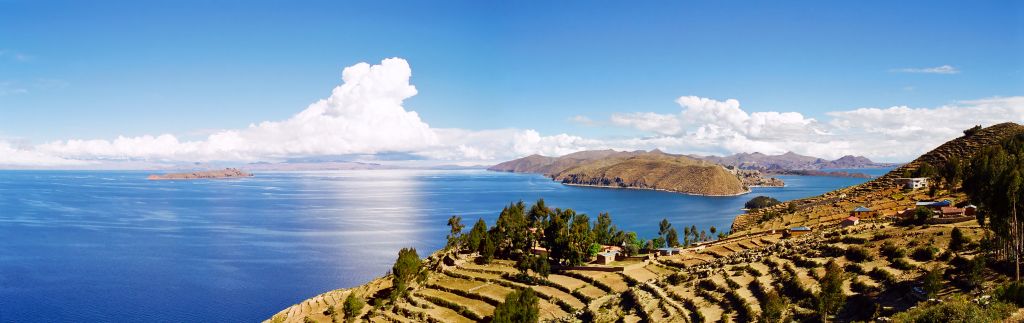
748 191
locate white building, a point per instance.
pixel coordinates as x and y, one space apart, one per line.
913 183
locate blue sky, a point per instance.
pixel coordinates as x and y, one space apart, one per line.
100 69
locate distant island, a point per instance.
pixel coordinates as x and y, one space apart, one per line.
653 170
209 174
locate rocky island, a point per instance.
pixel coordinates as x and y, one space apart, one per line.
653 170
209 174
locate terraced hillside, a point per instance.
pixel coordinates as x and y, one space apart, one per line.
878 191
727 281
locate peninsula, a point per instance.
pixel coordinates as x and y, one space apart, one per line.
653 170
209 174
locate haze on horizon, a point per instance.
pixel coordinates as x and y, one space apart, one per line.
121 84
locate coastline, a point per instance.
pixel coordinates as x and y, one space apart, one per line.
748 190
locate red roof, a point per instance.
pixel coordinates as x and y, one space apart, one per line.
951 210
853 218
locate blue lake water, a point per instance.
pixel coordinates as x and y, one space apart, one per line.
111 246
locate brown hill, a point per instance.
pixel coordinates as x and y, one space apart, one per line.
552 165
655 170
963 148
790 161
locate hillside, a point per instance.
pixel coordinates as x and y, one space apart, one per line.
877 193
790 161
551 165
880 268
641 170
655 170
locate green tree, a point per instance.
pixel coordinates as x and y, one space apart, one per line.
455 225
538 214
353 306
520 306
579 240
957 240
488 248
993 181
406 269
774 307
831 298
477 234
672 238
604 230
922 214
663 227
932 282
510 233
712 229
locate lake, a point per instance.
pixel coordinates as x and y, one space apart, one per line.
111 246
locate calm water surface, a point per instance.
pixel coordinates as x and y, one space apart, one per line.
111 246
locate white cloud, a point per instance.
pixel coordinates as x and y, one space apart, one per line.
944 69
365 116
893 134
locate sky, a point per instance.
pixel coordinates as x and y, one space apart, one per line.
103 82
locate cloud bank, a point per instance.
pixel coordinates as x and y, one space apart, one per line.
365 116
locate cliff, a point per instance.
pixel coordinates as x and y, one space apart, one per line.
210 174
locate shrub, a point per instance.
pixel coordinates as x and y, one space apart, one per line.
932 282
956 309
860 286
831 298
883 276
773 307
854 240
957 240
902 264
858 254
353 306
924 253
854 268
519 306
1011 293
676 278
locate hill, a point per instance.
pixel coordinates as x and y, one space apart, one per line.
655 170
878 192
791 161
551 165
641 170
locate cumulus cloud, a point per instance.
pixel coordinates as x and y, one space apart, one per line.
895 134
362 116
944 69
365 115
582 119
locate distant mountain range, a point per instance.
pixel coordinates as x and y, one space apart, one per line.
791 161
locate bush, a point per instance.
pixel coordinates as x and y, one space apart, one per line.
902 264
924 253
1011 293
883 276
353 306
406 268
858 254
760 202
854 268
519 306
957 240
854 240
956 309
831 298
773 307
932 282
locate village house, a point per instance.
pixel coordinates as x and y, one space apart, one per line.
606 257
950 212
862 212
913 183
850 221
